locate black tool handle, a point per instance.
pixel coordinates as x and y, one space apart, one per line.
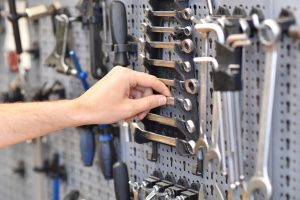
14 18
118 23
121 180
107 154
98 65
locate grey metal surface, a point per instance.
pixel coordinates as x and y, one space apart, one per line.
284 163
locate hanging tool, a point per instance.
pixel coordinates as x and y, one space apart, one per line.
118 22
183 68
260 180
55 171
121 179
32 13
185 14
57 58
191 85
186 45
106 150
96 16
141 136
180 124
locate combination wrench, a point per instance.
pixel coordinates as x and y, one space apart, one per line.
186 45
186 13
187 31
182 67
57 58
185 103
190 85
269 33
180 124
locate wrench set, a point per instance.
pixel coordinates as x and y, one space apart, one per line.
221 149
192 148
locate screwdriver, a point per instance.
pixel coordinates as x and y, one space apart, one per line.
118 23
106 150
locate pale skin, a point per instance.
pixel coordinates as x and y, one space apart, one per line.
121 95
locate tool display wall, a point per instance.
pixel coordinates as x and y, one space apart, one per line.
283 161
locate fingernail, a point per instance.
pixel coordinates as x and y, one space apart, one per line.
162 101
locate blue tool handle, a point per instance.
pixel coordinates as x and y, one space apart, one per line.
82 75
55 187
87 147
107 155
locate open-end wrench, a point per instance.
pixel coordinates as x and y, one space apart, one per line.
57 58
186 104
180 124
186 45
269 33
190 85
186 13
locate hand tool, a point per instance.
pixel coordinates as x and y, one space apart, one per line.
260 180
218 192
72 195
142 136
186 45
182 67
185 14
121 179
96 23
135 188
106 150
186 104
57 58
31 14
176 32
201 195
180 124
191 85
209 6
118 22
213 152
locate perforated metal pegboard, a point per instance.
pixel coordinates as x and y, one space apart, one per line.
284 162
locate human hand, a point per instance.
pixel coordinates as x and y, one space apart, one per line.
122 94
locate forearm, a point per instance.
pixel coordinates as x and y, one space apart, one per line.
22 121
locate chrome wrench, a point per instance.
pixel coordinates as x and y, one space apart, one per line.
57 58
260 180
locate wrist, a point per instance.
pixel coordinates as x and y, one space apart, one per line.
79 112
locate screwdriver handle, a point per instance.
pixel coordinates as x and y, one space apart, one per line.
107 154
121 181
87 147
82 75
14 18
118 23
98 67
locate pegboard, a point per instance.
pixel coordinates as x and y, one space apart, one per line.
284 163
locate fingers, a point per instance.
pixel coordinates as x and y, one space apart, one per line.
149 81
147 103
135 94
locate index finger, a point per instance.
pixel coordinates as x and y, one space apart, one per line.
150 81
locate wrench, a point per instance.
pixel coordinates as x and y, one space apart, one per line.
181 125
190 85
260 180
185 13
213 152
57 58
135 188
184 103
186 45
159 29
186 65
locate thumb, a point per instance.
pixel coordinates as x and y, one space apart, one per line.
148 103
